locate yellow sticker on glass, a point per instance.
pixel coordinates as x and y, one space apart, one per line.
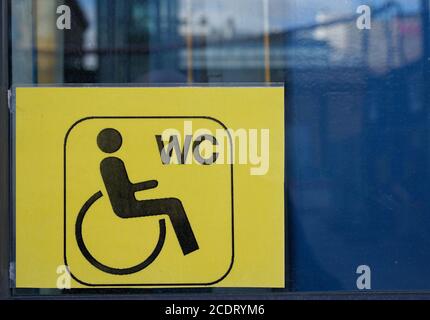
149 187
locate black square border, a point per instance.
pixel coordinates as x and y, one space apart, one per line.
155 284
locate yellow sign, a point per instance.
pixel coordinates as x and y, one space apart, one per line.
149 187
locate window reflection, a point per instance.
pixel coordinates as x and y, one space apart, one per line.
220 40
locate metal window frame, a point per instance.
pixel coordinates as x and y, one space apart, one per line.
4 149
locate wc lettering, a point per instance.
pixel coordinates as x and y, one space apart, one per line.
197 146
222 146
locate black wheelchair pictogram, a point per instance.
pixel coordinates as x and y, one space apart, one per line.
121 192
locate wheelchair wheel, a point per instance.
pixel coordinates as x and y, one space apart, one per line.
103 267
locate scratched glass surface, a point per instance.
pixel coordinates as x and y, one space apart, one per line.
357 101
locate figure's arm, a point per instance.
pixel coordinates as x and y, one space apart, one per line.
151 184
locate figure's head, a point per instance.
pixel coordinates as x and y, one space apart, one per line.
109 140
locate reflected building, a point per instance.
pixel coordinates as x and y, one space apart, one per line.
46 54
139 42
73 46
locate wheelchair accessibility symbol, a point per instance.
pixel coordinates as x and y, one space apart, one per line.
154 187
124 204
133 219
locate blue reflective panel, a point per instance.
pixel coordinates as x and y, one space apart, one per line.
357 108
